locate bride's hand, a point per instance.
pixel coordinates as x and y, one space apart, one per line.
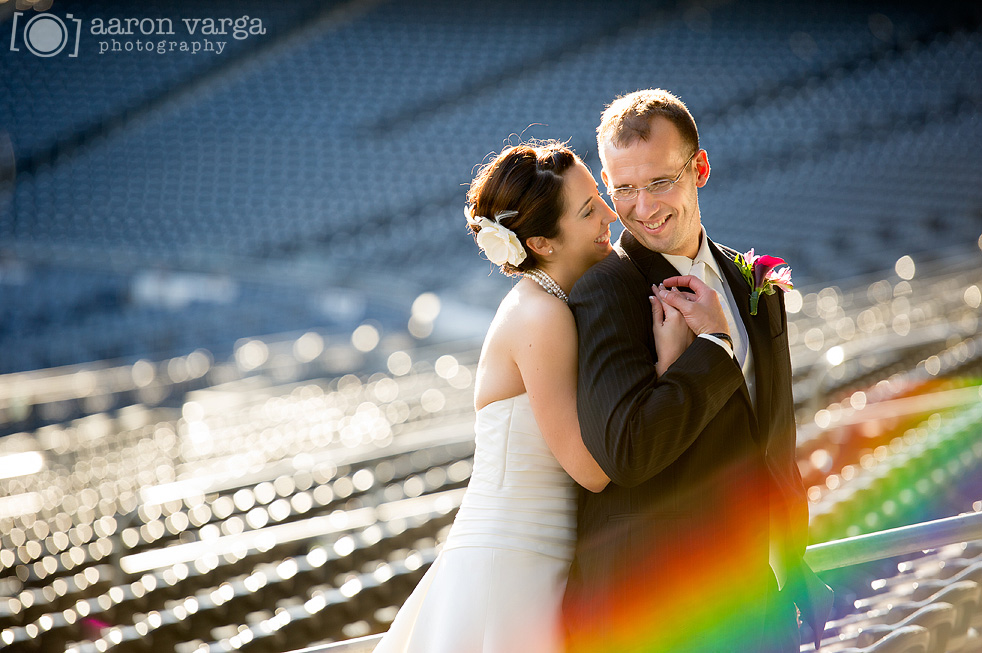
672 335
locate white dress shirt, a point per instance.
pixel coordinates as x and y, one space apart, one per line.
707 269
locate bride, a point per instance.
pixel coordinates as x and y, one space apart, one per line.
498 583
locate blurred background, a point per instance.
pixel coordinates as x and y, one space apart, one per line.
240 309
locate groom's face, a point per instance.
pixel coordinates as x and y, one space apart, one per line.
668 223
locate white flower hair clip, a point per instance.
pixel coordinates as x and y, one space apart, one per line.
498 242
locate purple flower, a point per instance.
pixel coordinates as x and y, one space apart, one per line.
763 278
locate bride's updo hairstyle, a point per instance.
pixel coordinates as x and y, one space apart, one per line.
524 187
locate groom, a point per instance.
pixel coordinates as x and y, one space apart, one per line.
697 542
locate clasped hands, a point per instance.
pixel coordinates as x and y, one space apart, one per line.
678 317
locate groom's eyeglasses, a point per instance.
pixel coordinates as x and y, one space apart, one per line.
657 187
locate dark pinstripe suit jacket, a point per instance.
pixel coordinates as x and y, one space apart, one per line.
695 470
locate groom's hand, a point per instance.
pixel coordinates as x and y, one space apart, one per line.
700 308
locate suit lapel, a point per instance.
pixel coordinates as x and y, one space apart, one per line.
655 269
652 265
757 330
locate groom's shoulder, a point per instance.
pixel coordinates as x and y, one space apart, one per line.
616 266
728 252
612 281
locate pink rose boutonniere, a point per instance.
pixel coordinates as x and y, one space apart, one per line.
763 278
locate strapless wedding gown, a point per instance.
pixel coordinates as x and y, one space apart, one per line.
498 583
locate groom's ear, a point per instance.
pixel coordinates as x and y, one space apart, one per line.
702 168
603 178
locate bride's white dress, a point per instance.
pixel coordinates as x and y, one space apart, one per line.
498 583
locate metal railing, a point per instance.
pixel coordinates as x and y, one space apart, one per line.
894 542
821 557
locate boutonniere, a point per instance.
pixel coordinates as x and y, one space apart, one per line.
763 278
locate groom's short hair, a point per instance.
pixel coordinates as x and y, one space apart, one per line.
627 119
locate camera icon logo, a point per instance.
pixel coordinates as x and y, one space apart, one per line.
45 35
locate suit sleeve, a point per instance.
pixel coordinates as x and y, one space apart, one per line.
632 422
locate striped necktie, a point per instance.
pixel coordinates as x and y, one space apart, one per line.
708 275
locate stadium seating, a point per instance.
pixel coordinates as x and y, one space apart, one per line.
224 424
248 460
214 180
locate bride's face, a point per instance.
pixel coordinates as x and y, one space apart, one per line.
584 229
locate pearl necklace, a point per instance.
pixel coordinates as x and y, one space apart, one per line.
548 284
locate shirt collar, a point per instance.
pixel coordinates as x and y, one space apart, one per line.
684 264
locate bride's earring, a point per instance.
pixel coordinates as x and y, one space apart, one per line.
537 244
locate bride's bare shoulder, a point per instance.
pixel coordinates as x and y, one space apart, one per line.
526 310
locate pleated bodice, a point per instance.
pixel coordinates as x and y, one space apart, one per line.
518 497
